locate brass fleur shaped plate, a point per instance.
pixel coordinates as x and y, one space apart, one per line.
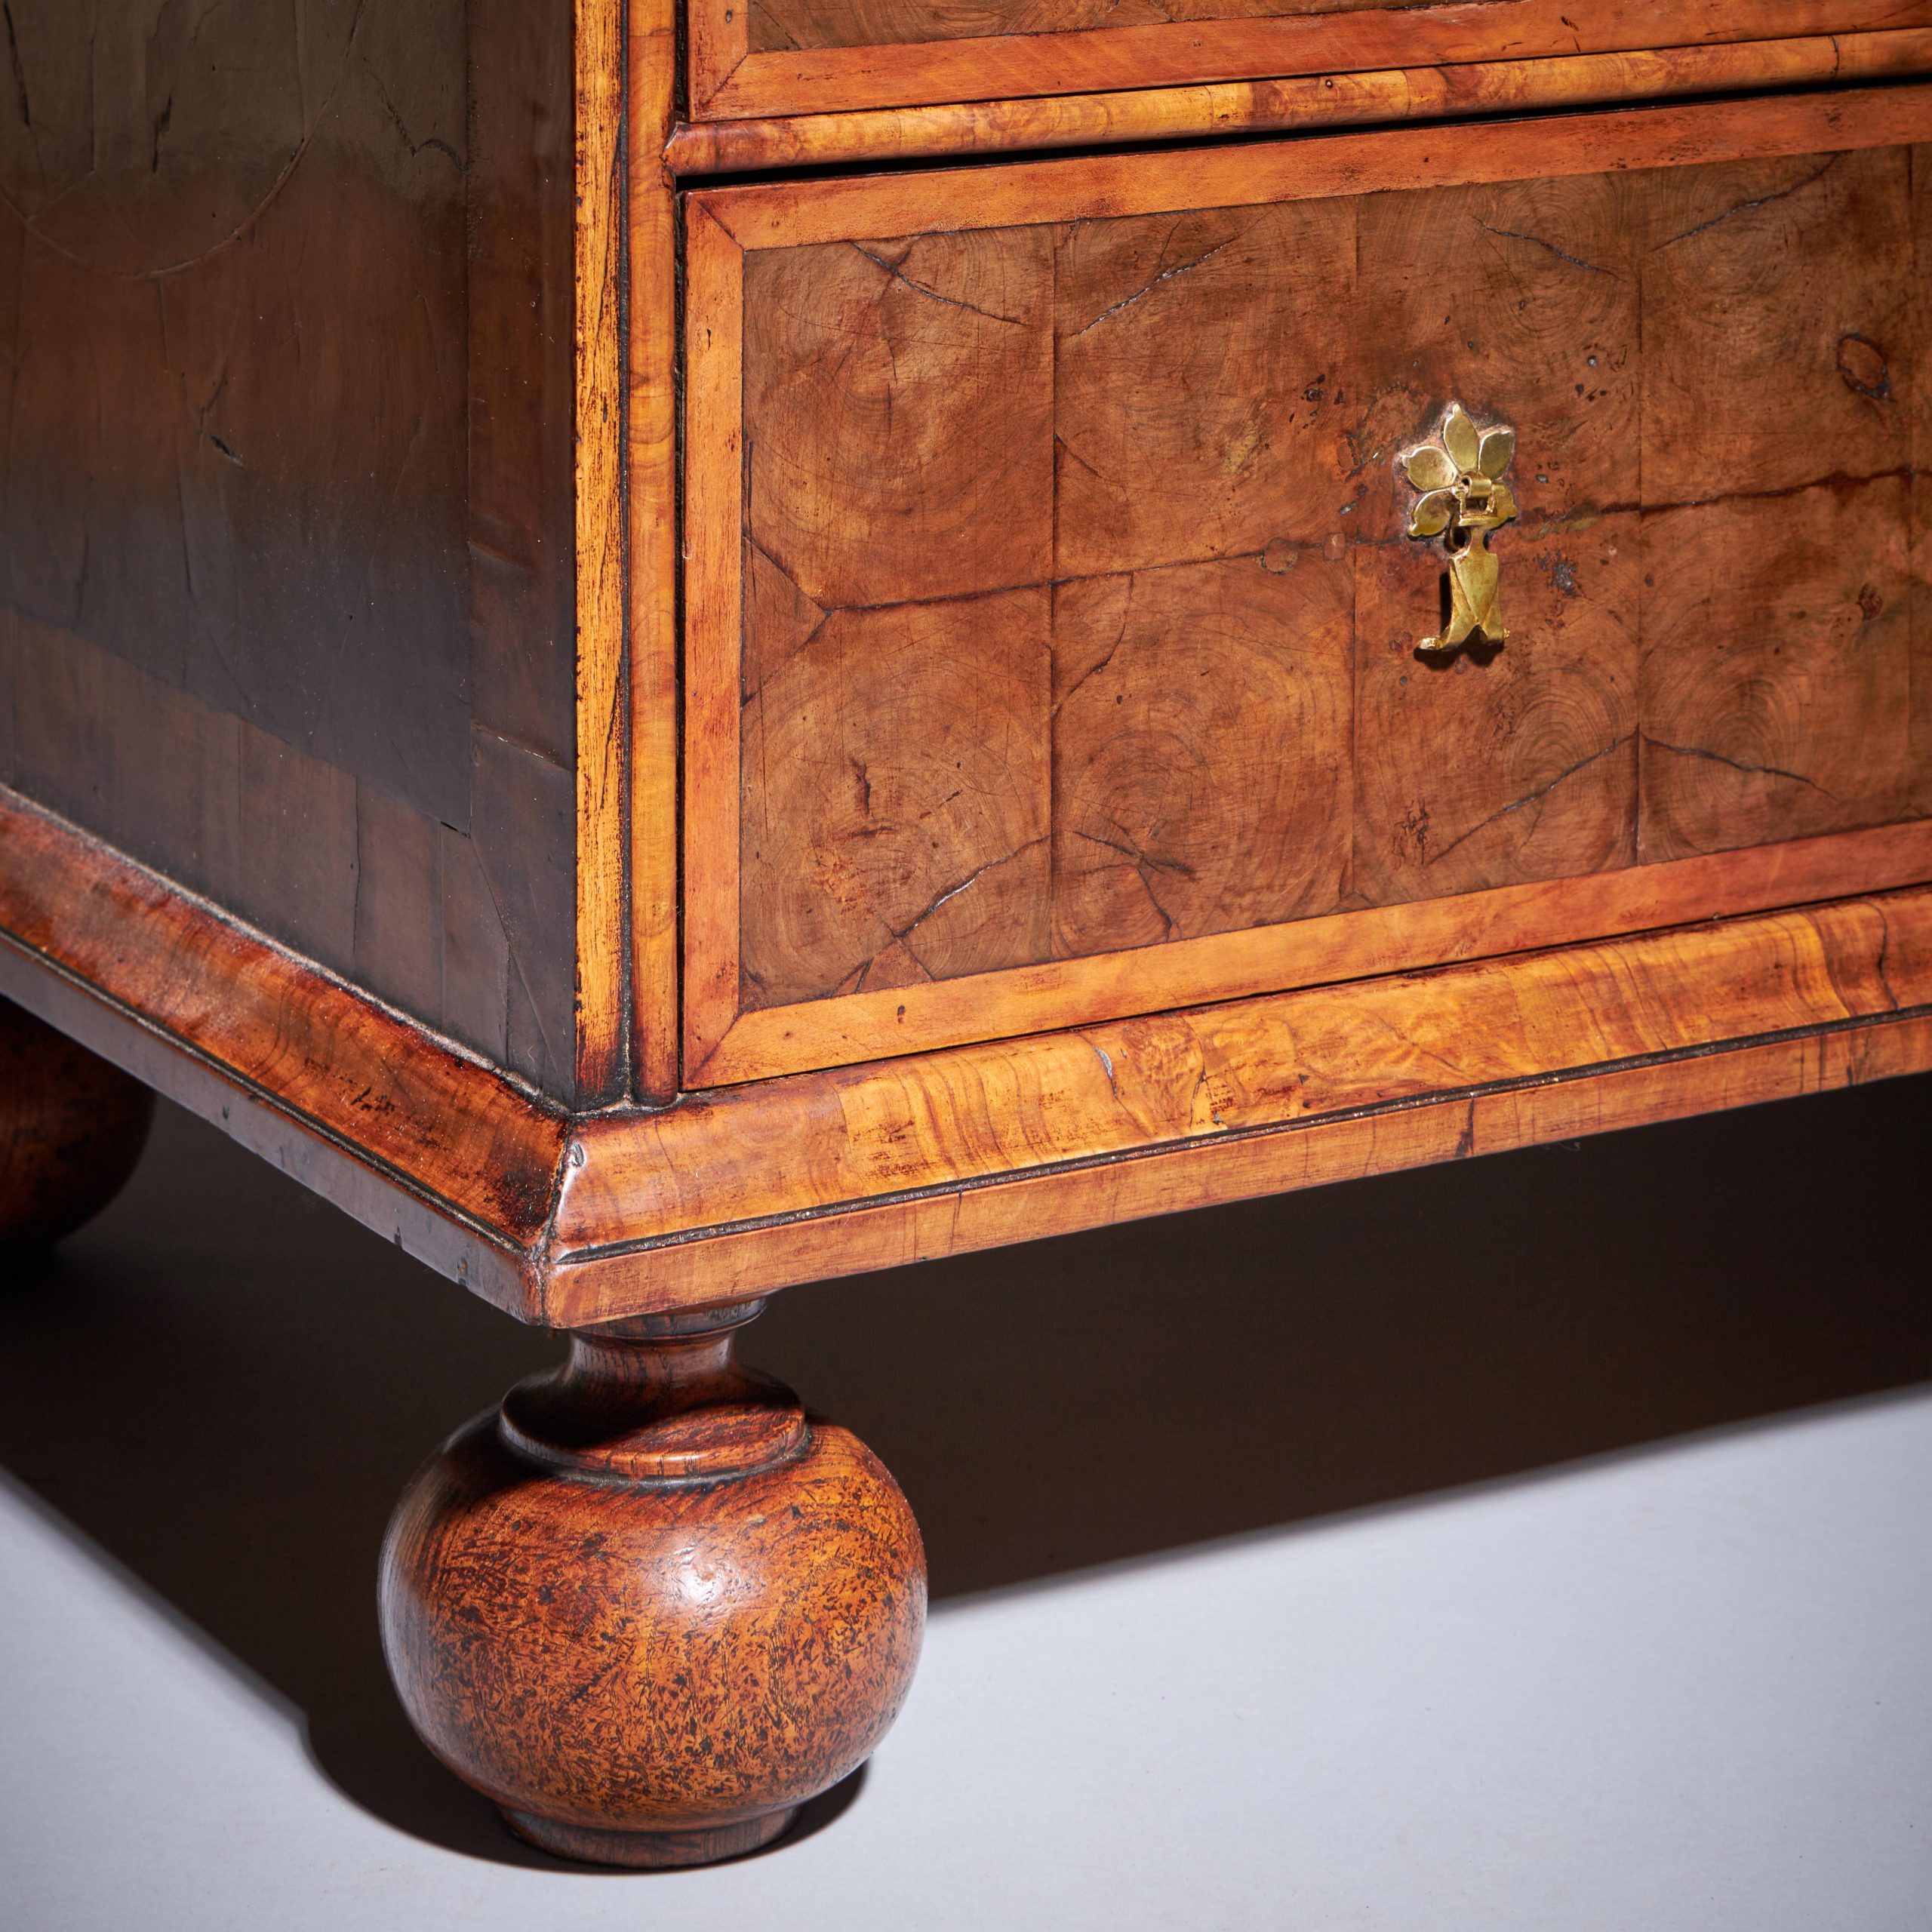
1464 498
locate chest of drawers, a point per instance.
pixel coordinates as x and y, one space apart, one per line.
672 658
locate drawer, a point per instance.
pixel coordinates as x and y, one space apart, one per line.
1054 619
757 57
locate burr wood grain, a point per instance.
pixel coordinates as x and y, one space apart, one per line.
650 1607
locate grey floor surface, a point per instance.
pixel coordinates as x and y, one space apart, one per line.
1541 1543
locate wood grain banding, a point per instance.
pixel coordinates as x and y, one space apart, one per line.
602 1003
1246 174
713 604
728 79
1292 103
651 482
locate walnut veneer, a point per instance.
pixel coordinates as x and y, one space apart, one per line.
661 710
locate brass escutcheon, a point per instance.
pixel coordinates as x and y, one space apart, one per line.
1464 498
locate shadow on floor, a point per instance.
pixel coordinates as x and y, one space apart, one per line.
224 1384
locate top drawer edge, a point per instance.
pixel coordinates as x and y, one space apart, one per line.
758 59
1290 103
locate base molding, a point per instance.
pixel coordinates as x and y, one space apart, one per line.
573 1221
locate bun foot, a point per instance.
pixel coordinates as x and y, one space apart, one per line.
71 1128
648 1606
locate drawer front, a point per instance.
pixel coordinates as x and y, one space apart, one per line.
754 57
1054 619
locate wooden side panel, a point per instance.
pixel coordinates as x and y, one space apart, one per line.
523 617
1708 590
276 572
